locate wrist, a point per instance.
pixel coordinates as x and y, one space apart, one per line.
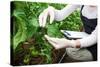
78 45
74 43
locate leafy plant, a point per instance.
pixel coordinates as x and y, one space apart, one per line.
28 40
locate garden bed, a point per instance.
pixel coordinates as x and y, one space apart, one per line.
28 45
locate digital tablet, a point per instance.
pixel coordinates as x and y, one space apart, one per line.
74 34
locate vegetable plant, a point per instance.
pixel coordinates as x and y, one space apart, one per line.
28 45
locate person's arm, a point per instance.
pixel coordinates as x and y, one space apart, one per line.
65 12
88 41
59 43
55 14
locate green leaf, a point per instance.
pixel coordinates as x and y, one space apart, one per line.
53 30
21 34
26 59
32 27
34 52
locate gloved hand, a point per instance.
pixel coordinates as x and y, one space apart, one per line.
43 16
60 43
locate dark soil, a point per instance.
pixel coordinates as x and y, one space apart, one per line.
17 59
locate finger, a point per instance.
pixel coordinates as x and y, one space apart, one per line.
51 41
53 44
40 19
51 13
51 38
45 18
47 37
54 40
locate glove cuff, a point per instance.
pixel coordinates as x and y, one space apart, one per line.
72 44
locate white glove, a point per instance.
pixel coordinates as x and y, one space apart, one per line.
43 16
60 43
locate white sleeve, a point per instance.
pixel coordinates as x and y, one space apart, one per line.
90 40
65 12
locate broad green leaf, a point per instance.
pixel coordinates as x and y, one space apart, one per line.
53 31
20 35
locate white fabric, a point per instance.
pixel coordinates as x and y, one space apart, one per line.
90 40
79 54
65 12
89 12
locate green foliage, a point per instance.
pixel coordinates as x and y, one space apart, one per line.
72 22
53 30
25 26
